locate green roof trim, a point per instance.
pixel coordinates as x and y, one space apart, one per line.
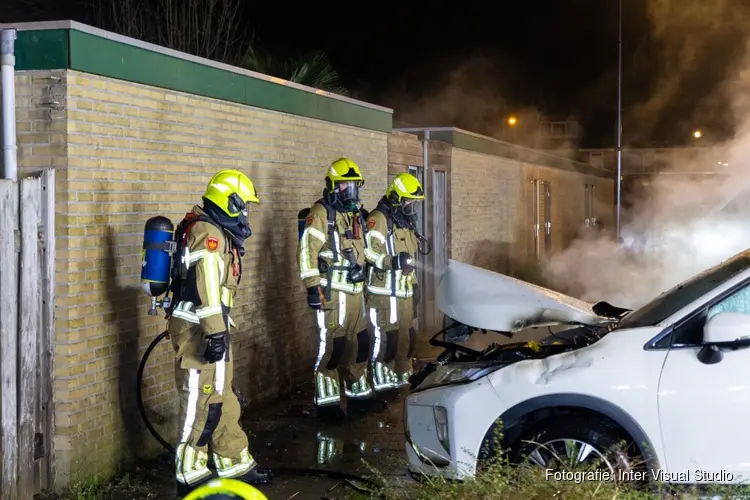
42 50
82 48
470 141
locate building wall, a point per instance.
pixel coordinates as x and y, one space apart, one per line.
492 208
125 152
486 201
404 150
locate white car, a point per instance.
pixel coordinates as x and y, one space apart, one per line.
672 379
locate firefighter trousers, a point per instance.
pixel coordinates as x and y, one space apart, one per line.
392 321
343 350
209 411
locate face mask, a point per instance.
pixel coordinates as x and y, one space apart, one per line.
410 211
348 193
243 225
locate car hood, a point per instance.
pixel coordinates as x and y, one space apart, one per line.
487 300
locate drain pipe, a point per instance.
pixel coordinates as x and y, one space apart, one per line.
8 61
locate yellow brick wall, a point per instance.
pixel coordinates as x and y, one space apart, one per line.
492 208
134 152
487 201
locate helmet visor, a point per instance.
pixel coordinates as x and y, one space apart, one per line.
348 192
410 207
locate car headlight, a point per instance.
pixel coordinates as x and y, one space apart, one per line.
458 373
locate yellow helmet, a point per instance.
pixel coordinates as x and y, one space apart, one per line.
231 191
343 180
343 170
225 489
404 186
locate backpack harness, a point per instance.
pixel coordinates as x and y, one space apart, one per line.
179 272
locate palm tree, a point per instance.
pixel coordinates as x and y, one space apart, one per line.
312 69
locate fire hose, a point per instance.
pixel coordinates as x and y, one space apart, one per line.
351 479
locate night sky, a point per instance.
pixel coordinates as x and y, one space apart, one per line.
471 65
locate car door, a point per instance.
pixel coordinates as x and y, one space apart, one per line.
704 409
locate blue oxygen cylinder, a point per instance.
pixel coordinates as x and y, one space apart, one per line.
158 245
302 221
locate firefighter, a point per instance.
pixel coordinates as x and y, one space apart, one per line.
392 290
331 257
208 267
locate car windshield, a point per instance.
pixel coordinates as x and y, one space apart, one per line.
683 294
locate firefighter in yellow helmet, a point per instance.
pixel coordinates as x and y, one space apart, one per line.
226 489
206 274
392 290
331 257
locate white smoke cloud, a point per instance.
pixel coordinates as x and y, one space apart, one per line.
679 227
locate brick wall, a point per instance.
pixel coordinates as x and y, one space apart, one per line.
492 208
486 203
126 152
404 150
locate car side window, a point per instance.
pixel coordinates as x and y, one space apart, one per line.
738 302
690 332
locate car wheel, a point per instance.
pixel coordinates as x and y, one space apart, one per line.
569 442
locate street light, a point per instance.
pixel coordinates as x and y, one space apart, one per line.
512 120
697 134
618 199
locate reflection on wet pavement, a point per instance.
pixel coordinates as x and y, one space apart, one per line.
289 434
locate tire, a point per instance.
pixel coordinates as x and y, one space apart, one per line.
565 442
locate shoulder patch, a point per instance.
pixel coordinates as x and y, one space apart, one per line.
309 220
371 223
212 243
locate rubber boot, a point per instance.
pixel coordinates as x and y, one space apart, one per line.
256 476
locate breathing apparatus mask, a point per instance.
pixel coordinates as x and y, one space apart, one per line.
410 209
238 226
345 195
237 205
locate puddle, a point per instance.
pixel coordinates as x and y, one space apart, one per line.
289 434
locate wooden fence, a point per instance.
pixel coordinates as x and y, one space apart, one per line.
27 272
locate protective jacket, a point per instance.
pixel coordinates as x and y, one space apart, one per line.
209 274
322 252
385 240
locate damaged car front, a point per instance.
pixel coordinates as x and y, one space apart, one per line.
456 399
570 398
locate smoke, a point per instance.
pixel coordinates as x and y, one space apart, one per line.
470 95
679 225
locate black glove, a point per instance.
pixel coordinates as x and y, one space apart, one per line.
416 293
216 346
313 298
404 262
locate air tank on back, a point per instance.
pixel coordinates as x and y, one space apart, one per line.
302 221
156 265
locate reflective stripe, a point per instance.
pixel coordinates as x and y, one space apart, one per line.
306 267
219 374
213 276
375 258
360 389
208 311
225 467
191 465
192 404
321 337
327 391
376 328
383 377
342 309
349 288
393 311
226 297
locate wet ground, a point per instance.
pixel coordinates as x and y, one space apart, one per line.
289 434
